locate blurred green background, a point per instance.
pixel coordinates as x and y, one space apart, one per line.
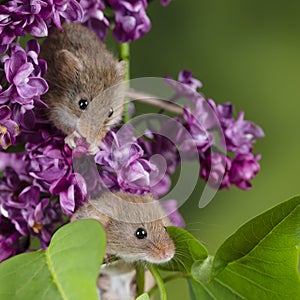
246 52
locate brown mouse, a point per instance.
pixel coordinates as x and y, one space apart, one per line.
86 94
135 226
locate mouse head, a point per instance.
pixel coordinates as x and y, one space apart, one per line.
86 94
135 226
137 229
139 241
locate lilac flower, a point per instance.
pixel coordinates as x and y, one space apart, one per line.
17 17
12 160
160 144
7 34
59 10
241 134
8 245
33 51
94 17
160 184
21 210
125 161
205 122
72 192
124 166
8 128
50 160
32 215
170 207
42 219
135 176
186 86
35 17
198 124
244 168
223 111
131 19
9 239
18 71
215 168
114 154
13 183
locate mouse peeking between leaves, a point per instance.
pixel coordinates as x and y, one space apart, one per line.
135 226
86 89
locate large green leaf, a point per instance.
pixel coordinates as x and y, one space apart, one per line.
188 251
259 261
68 269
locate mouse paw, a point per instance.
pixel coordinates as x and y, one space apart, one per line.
70 140
93 149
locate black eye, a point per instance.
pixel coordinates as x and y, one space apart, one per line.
141 233
83 103
110 113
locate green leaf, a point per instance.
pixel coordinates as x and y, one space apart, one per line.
188 251
68 269
259 261
144 296
201 270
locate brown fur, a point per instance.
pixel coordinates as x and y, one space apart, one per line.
80 66
121 214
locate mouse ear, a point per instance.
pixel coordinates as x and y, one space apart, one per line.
104 220
121 68
67 64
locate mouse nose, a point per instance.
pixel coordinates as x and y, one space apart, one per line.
167 254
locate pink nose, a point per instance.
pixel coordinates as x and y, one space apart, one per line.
166 254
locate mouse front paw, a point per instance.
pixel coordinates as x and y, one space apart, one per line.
93 149
70 139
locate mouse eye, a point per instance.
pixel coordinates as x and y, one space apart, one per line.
140 233
110 113
83 103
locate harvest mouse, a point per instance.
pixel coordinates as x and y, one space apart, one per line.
134 225
86 94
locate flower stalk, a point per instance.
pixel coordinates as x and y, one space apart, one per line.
159 282
140 279
125 56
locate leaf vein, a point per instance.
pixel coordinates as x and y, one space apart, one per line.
252 282
52 272
229 288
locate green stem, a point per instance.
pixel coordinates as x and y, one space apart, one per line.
140 279
159 282
124 51
167 279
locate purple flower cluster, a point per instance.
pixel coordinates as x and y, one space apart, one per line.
37 187
24 210
34 17
50 167
237 136
8 128
131 20
24 86
94 18
125 167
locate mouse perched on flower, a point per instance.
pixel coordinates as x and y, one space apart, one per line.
86 94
